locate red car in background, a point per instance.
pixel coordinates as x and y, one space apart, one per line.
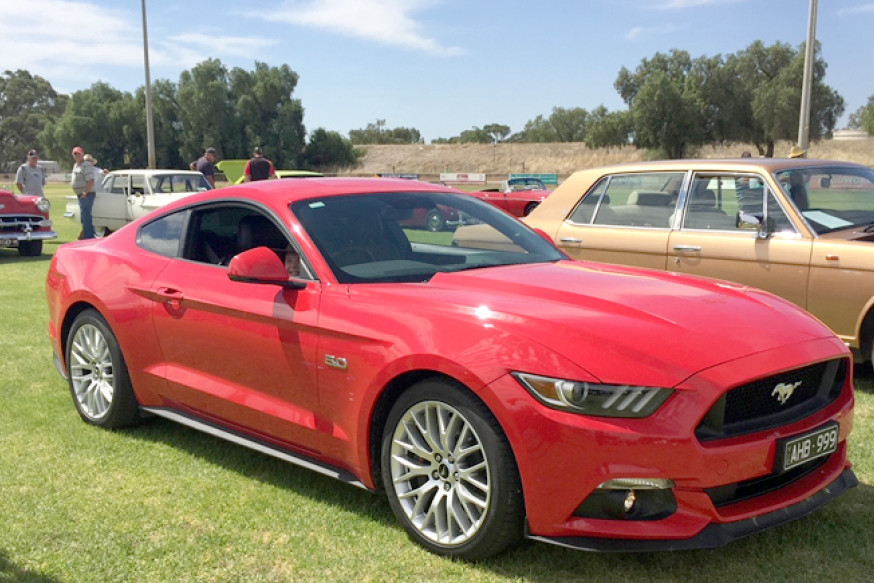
517 196
493 388
24 222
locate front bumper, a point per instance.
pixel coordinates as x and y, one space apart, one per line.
9 239
564 457
715 535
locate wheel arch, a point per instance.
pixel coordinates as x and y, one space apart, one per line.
392 392
69 317
866 335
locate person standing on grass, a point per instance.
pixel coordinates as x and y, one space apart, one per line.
259 167
206 165
31 177
84 177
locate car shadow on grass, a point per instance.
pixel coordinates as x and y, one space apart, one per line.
9 571
825 544
10 255
262 467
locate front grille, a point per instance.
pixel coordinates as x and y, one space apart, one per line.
732 493
15 223
774 401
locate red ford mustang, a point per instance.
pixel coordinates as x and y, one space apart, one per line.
492 387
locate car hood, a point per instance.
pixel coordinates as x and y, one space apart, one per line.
666 327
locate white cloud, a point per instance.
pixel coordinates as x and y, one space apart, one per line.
684 4
641 31
75 42
389 22
857 9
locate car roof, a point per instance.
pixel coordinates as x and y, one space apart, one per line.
286 192
149 172
734 164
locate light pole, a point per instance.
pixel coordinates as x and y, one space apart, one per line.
150 131
809 53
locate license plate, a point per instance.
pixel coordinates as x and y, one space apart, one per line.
795 451
7 241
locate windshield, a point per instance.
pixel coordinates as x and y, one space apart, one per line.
407 237
167 183
831 197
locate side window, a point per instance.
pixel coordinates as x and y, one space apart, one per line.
639 200
138 184
163 235
217 233
585 210
715 202
712 202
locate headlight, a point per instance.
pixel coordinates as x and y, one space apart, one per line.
594 399
43 205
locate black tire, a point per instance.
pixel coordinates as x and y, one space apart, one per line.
531 206
434 221
97 374
467 506
30 248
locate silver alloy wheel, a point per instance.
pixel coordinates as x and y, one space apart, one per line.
92 372
440 473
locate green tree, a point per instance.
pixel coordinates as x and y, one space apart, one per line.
266 115
101 119
563 125
205 110
475 135
329 151
166 123
497 132
863 118
663 97
376 133
608 128
766 81
27 104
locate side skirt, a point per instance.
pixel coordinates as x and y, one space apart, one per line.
259 446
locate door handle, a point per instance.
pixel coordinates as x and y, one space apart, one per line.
570 241
687 248
171 297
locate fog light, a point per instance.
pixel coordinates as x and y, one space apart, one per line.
630 499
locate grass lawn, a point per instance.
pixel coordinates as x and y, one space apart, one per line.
160 502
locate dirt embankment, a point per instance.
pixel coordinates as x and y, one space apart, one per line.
498 160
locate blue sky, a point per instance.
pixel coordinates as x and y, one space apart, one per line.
440 66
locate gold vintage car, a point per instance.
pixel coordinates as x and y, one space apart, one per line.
802 229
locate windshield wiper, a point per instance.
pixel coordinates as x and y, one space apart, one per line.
869 229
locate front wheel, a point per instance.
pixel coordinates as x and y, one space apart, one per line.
449 473
530 207
97 374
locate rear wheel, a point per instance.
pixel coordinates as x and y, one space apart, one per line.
30 248
531 206
97 374
449 473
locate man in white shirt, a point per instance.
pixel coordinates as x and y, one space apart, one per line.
31 177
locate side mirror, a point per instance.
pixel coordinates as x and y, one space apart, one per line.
260 265
765 226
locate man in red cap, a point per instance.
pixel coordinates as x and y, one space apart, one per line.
83 181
